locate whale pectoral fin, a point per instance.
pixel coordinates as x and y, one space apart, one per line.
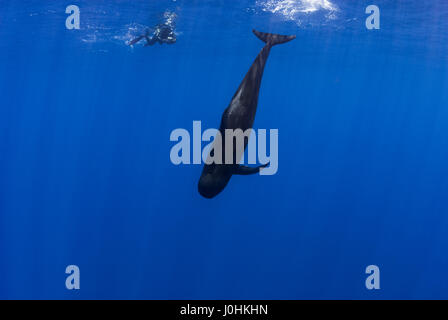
245 170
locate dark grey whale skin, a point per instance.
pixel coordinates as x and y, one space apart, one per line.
240 114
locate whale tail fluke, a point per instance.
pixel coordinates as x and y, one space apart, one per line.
272 39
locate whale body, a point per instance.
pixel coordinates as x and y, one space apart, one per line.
240 114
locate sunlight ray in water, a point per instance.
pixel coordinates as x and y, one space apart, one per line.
296 10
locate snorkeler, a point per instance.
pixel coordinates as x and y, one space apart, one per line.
163 33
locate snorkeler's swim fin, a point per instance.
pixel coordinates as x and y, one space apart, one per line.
136 40
271 39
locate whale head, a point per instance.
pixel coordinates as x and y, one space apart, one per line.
213 180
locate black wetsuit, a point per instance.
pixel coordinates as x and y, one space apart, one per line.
163 33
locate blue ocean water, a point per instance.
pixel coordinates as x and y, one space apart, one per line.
86 176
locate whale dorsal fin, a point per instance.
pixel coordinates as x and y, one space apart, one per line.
272 38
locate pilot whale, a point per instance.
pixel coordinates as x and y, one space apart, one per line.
240 114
